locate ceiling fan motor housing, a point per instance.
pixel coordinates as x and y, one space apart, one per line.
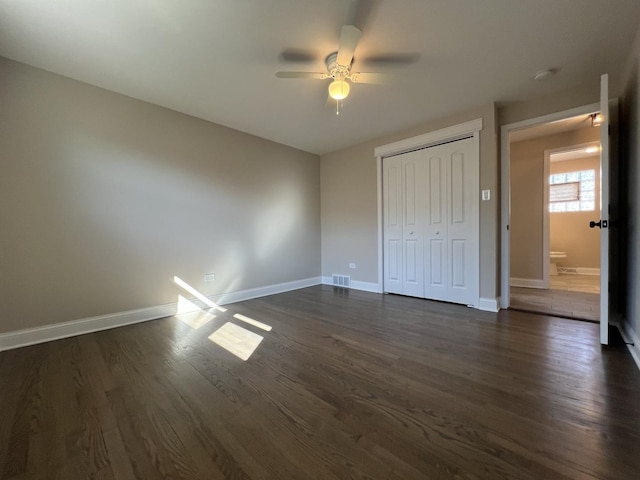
335 70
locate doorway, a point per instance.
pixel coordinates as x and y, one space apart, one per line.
609 221
527 207
555 255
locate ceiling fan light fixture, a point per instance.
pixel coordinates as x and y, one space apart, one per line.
339 89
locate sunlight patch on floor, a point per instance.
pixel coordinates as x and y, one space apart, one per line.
251 321
236 340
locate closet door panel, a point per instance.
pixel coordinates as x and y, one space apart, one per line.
436 278
457 189
462 230
435 181
436 269
458 264
392 199
413 229
395 261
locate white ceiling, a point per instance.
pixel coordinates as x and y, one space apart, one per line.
216 59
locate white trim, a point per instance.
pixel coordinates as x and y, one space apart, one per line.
468 129
629 336
489 304
356 285
449 134
380 286
476 219
546 221
529 283
578 271
242 295
605 130
365 286
31 336
505 191
505 216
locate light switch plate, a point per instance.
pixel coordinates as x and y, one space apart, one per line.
486 195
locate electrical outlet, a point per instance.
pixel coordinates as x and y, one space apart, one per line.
209 277
352 265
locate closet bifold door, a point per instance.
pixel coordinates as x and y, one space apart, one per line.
436 238
450 237
403 205
392 224
414 195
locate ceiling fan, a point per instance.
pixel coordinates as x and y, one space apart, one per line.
339 67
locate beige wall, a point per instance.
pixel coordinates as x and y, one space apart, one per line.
527 202
349 203
569 231
103 199
578 96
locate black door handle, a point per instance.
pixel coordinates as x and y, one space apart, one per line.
599 224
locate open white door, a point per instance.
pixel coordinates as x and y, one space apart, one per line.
604 210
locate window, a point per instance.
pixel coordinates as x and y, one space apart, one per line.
572 191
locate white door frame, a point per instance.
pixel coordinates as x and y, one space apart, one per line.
505 188
471 128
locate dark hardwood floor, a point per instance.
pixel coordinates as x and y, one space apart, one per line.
347 384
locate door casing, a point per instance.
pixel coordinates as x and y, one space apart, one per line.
505 189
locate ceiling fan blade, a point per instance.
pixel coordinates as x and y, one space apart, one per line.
309 75
373 78
391 59
298 55
349 38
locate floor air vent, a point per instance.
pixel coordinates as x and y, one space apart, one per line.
341 280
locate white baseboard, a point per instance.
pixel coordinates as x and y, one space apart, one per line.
486 304
630 336
578 271
242 295
489 304
366 286
31 336
527 282
356 285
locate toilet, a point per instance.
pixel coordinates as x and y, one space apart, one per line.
554 257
